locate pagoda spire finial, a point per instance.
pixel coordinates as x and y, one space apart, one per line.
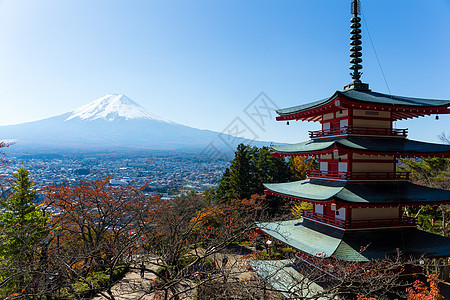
355 49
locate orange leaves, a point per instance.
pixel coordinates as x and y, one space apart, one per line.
369 272
250 205
253 236
363 297
419 291
78 265
95 220
252 256
209 217
13 295
299 165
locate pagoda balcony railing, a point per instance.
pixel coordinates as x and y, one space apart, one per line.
355 224
349 130
307 214
317 174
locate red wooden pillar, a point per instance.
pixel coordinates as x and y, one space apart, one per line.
350 117
348 213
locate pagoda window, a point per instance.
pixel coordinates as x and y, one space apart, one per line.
342 167
340 213
343 123
318 209
323 166
326 126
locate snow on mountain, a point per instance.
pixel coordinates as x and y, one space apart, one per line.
112 107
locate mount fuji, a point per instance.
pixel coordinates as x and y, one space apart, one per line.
112 107
113 123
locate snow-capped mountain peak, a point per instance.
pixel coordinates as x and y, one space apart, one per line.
112 107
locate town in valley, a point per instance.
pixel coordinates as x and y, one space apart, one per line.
166 175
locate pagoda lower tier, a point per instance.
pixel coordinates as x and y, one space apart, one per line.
359 205
364 245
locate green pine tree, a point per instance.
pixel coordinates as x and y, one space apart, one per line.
249 170
432 172
242 173
270 169
223 190
23 228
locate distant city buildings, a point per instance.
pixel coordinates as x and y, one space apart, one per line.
165 176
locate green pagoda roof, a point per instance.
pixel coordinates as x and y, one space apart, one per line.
378 193
369 97
284 276
324 241
365 144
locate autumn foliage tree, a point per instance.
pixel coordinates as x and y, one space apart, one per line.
182 237
300 165
5 144
97 231
418 291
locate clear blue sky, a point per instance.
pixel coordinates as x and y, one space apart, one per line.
201 62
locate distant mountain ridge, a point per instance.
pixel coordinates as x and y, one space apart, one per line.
109 124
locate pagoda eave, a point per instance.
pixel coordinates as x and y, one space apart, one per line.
361 245
343 150
348 204
365 146
355 194
373 153
400 107
398 112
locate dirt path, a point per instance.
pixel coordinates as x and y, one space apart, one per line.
132 285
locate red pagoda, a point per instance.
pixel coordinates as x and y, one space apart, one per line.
357 194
